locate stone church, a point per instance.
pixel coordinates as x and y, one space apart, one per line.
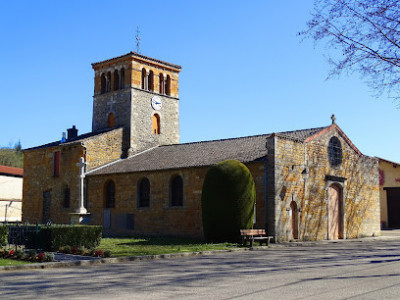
132 176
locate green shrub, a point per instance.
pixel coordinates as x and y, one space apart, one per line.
87 236
3 235
49 256
228 200
52 238
19 254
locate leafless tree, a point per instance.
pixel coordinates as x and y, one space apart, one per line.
366 34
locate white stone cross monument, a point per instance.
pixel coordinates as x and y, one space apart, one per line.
77 217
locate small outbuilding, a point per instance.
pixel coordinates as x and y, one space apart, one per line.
10 194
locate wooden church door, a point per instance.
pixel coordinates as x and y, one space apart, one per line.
334 211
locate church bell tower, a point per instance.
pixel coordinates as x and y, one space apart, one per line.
140 94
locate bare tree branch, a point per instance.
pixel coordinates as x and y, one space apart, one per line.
367 34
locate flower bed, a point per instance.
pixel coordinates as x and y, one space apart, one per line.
30 255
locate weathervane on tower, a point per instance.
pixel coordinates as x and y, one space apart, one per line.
138 40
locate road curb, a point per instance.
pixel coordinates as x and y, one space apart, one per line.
111 260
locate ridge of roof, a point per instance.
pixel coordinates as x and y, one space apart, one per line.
199 154
73 140
282 133
139 56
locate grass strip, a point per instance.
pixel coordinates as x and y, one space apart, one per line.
157 245
12 262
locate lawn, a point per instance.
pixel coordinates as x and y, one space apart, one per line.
156 245
11 262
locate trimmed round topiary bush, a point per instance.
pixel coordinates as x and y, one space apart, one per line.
228 200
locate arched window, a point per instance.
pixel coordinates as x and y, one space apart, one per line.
144 193
162 84
176 191
111 120
116 80
151 81
156 124
108 82
122 79
103 83
168 86
335 153
144 79
109 194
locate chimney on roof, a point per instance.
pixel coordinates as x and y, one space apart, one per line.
72 132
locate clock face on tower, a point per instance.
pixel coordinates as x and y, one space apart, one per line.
156 103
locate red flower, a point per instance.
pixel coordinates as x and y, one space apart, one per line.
11 253
99 253
40 256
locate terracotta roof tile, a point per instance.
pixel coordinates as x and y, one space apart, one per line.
198 154
4 170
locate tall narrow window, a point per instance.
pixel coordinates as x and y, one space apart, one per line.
111 120
162 84
144 79
144 193
116 80
335 153
168 86
176 191
67 197
151 81
156 124
108 82
122 79
103 83
109 194
56 164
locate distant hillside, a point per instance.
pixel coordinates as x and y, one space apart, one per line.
12 157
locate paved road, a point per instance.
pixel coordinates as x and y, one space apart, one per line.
350 270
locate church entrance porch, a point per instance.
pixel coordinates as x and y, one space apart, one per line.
335 212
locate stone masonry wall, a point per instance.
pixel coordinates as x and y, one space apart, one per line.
38 174
160 218
103 148
38 178
289 185
310 192
142 136
117 102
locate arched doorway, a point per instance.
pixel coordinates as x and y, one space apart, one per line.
294 221
335 212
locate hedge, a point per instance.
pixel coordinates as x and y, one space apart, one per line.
51 238
228 200
3 235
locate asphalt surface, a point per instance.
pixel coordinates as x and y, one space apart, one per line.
360 269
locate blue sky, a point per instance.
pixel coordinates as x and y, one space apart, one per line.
244 69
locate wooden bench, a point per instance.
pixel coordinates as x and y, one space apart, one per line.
254 234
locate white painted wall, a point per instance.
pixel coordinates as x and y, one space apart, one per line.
10 198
